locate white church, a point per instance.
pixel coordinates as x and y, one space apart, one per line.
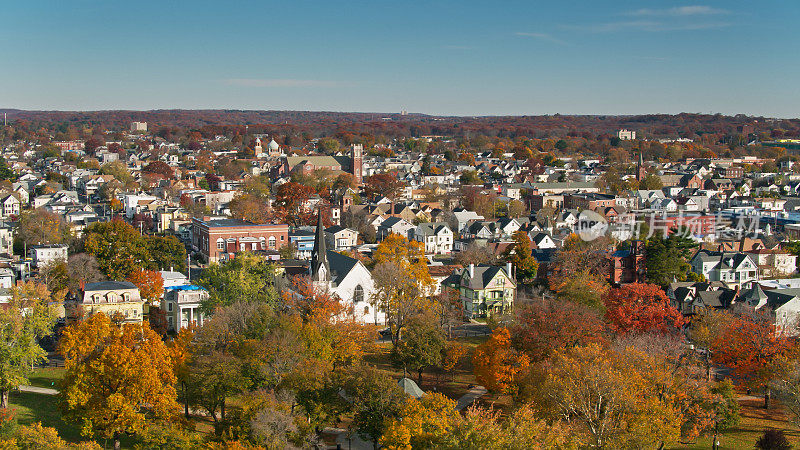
346 278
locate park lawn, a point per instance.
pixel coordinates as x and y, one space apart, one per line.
754 421
453 385
31 407
47 377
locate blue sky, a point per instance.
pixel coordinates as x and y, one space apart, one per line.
436 57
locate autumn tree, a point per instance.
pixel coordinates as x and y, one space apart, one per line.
118 170
118 247
641 307
402 281
24 320
421 423
473 254
577 256
250 208
544 326
39 227
112 372
755 349
291 203
520 255
386 184
607 402
150 284
159 168
36 436
497 364
583 288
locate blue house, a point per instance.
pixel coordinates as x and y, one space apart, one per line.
303 240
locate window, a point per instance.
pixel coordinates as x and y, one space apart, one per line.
220 244
272 242
169 307
263 243
358 294
241 246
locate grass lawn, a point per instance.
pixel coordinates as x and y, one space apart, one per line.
31 408
754 421
47 377
453 384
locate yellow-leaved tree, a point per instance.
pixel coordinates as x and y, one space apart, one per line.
421 423
119 378
608 399
402 281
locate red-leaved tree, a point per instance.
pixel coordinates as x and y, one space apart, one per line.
641 307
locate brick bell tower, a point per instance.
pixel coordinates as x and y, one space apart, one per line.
358 162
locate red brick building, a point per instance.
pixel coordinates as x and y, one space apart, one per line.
627 266
589 200
220 239
697 224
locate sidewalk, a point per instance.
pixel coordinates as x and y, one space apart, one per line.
472 394
38 390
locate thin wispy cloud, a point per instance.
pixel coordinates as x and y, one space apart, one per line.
646 25
680 11
540 36
278 82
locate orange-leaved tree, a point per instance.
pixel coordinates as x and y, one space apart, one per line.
119 378
756 350
641 307
149 282
498 364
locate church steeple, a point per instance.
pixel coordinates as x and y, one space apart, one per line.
640 171
320 269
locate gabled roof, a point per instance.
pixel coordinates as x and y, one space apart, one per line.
340 265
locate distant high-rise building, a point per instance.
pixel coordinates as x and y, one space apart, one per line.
138 126
626 135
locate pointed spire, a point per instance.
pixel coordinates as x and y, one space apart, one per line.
320 270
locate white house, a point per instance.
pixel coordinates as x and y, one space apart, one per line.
182 306
437 237
11 205
394 225
733 268
341 238
782 304
44 255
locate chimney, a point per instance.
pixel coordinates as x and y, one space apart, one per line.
508 269
471 270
